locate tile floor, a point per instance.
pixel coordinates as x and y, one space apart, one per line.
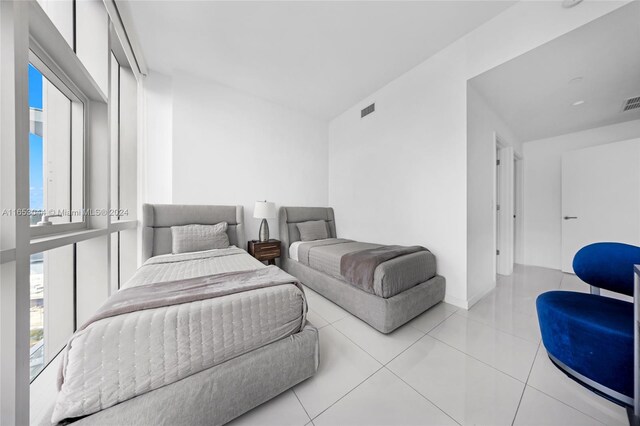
448 366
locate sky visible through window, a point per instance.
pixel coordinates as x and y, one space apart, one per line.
36 166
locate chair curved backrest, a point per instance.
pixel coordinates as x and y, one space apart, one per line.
608 266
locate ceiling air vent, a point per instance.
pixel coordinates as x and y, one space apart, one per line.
631 103
368 110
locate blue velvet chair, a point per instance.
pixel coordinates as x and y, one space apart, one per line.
588 336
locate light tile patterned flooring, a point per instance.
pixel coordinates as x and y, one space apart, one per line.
448 366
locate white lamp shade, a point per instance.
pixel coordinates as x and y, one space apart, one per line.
264 210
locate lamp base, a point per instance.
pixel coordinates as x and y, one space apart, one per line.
264 231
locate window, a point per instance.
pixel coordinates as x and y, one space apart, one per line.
52 311
123 97
114 115
63 53
56 150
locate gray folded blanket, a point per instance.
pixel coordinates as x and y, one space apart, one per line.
359 267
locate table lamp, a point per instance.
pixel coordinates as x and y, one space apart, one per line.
264 210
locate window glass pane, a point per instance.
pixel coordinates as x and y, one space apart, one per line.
123 104
114 105
36 342
124 255
92 276
55 152
115 262
128 148
77 161
52 313
36 165
128 260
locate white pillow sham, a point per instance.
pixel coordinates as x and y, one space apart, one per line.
191 238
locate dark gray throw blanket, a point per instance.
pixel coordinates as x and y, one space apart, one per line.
358 267
157 295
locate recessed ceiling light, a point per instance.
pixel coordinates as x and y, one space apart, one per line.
570 3
576 80
577 103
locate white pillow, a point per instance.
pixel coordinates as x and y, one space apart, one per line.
313 230
190 238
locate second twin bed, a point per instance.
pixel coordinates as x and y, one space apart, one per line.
385 286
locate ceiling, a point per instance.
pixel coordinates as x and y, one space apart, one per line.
534 93
317 57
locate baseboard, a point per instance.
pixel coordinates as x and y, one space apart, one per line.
456 301
475 299
466 304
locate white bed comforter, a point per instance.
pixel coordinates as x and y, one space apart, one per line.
117 358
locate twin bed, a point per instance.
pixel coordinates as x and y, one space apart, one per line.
202 336
204 361
385 286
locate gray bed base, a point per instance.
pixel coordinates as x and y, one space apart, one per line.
221 393
385 315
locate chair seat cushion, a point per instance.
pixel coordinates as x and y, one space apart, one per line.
592 335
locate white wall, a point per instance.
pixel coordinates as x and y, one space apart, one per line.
482 123
543 187
155 161
233 148
400 174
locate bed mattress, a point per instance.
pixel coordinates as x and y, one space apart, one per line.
118 358
390 278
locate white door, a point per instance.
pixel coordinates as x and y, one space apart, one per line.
504 211
498 211
600 197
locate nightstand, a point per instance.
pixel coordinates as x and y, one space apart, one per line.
267 250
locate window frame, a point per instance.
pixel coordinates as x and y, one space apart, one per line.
49 70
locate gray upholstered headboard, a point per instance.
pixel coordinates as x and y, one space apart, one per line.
157 220
290 216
